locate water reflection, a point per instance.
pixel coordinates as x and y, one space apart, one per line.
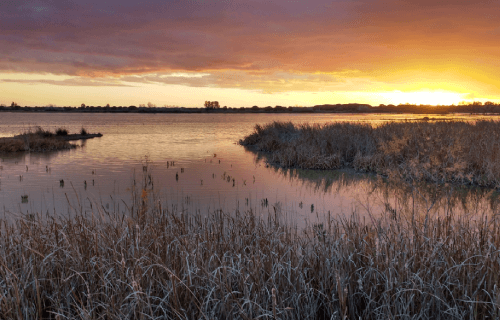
194 163
378 194
31 158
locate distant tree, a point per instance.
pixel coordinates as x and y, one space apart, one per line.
107 105
489 103
212 105
477 103
13 104
151 105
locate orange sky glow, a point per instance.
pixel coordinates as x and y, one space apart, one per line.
245 53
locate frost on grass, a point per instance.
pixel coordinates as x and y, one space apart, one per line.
158 263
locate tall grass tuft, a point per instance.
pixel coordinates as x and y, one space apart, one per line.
42 132
61 132
159 262
423 151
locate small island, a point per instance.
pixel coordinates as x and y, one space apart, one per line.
40 140
437 152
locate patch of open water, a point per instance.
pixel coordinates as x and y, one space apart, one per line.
195 163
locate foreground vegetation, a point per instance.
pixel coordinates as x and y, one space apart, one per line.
447 151
159 262
40 140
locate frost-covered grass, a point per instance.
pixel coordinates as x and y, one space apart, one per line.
154 262
446 151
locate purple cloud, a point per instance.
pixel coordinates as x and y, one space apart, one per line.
99 38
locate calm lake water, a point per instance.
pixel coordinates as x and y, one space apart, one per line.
195 163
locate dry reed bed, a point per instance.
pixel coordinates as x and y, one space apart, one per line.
157 263
40 140
452 151
34 143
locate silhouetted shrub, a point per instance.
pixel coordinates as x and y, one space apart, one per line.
43 133
61 132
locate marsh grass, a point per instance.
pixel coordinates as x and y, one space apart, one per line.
39 140
61 132
155 261
446 151
39 131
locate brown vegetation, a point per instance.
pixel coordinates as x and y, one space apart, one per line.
448 151
41 140
153 262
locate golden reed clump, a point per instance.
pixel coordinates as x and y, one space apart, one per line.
446 151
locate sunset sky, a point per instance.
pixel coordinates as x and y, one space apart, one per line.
248 52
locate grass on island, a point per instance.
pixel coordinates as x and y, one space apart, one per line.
447 151
41 140
61 132
155 262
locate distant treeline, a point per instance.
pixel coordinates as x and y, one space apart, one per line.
476 107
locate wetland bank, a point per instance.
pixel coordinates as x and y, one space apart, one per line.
441 151
40 140
185 241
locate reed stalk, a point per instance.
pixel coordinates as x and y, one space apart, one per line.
158 263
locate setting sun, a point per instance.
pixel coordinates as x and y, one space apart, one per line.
424 97
242 53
